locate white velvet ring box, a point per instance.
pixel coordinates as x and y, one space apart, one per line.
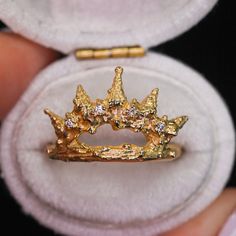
114 198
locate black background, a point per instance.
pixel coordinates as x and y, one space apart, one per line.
209 48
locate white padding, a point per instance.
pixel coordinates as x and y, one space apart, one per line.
118 198
67 25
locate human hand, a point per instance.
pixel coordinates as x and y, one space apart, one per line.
21 60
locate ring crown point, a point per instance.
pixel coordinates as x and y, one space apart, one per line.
118 70
46 111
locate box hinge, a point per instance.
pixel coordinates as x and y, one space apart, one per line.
115 52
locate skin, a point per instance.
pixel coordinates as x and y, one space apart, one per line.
210 221
21 59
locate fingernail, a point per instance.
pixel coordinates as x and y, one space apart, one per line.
229 228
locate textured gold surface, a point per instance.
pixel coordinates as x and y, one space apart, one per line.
116 52
88 116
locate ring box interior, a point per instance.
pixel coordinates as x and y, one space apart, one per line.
114 198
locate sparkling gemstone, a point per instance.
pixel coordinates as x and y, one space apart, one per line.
99 109
160 127
132 111
69 123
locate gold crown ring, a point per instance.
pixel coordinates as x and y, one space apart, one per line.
88 116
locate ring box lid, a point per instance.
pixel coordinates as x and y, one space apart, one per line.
99 24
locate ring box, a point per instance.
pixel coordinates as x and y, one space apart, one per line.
114 198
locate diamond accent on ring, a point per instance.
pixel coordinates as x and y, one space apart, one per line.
99 110
69 123
160 127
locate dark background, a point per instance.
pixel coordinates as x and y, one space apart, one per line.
209 48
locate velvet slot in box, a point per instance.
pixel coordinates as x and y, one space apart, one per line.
114 198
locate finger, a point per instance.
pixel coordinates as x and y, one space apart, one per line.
20 61
211 220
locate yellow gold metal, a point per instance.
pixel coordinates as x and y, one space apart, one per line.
116 110
116 52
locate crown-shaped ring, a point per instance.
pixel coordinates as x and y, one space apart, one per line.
116 110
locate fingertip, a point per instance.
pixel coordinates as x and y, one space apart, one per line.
211 220
20 60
